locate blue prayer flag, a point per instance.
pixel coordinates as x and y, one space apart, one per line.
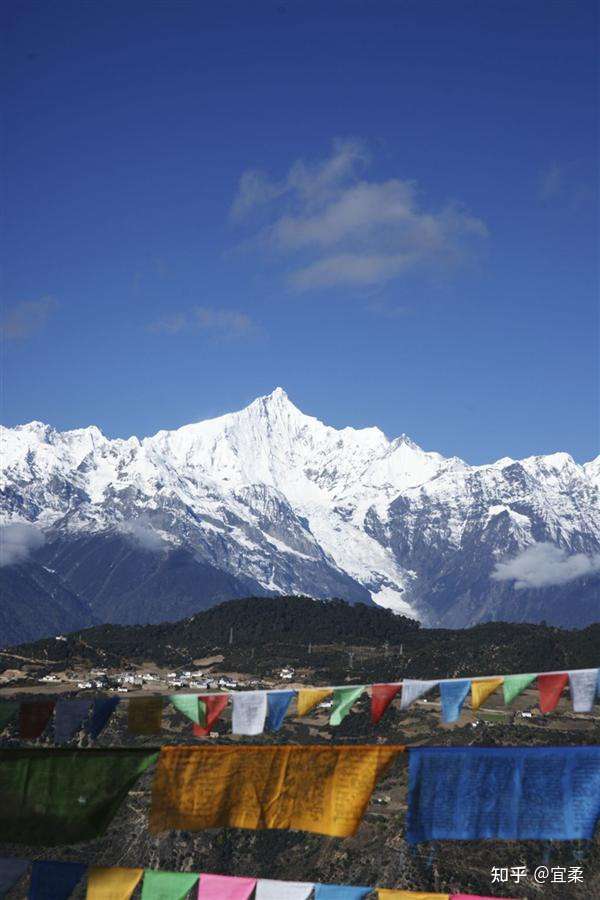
453 694
277 705
69 716
506 793
54 880
102 711
10 871
340 892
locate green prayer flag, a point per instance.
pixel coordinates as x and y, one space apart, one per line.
189 705
202 713
8 711
52 797
167 885
514 685
343 698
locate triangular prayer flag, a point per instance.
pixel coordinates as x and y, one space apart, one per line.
308 698
34 715
266 889
11 870
102 710
453 694
144 715
54 880
550 688
411 895
214 704
414 689
64 796
381 697
278 703
8 711
515 685
340 892
188 704
167 885
225 887
68 719
583 685
249 711
481 690
343 699
112 884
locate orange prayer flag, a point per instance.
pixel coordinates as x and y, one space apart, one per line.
321 788
309 698
550 688
410 895
481 690
112 884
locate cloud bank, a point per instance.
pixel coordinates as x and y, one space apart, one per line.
143 535
338 228
544 565
18 541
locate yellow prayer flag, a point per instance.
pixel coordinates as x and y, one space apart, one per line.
311 697
144 715
112 884
481 690
411 895
323 788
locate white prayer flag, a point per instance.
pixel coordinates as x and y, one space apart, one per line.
413 690
583 689
249 712
282 890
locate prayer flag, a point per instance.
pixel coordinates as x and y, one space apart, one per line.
167 885
503 793
481 690
213 704
340 892
8 711
223 887
11 870
515 685
144 715
320 788
282 890
381 697
112 884
474 897
550 688
68 719
54 880
583 689
33 718
64 796
411 895
311 697
102 710
413 689
453 694
343 698
189 705
249 711
278 703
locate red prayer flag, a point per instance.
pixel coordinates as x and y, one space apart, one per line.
381 697
33 717
215 705
550 688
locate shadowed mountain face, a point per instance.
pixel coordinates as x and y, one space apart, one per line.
271 501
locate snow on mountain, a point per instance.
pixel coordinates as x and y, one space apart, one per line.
276 497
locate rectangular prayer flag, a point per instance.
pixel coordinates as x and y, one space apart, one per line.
34 716
453 694
482 689
322 788
515 685
8 712
212 705
54 880
410 895
583 685
278 703
550 688
225 887
11 870
340 892
414 689
503 793
112 884
61 796
309 698
167 885
68 718
381 697
102 710
249 711
343 699
188 704
282 890
144 715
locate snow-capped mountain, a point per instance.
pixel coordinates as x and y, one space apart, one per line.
269 499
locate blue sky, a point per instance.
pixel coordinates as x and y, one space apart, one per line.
390 209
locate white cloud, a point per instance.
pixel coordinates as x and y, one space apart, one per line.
544 564
27 317
345 230
17 542
221 323
142 535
